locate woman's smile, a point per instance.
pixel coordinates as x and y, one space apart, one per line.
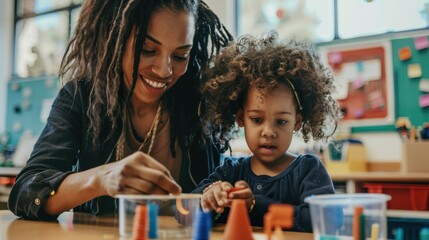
153 83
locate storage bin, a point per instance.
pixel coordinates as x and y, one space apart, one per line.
404 196
411 227
415 157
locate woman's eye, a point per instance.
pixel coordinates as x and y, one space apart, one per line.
147 51
181 57
256 120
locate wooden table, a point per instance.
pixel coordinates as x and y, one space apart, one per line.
82 226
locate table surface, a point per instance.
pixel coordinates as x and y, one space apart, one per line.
84 226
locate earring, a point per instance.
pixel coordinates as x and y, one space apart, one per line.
199 109
294 132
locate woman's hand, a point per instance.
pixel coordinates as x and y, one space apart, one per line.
215 197
138 173
242 191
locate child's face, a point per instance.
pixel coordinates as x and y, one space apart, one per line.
269 123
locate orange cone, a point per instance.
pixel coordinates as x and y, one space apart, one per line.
140 230
238 223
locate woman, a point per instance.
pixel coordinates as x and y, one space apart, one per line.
127 122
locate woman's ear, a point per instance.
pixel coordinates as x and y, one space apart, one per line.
298 122
239 117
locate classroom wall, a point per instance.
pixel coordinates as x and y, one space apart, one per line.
225 9
380 138
6 31
381 145
382 142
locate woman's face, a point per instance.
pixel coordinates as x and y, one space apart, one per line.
164 57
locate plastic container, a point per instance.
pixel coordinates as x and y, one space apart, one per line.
168 216
333 215
404 196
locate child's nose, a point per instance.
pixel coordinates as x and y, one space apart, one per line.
268 131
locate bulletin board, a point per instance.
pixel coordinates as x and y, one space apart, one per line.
363 78
364 82
408 90
28 104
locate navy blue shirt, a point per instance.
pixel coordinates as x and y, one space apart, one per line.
305 176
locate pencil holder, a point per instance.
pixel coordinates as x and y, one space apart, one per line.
349 216
166 217
415 156
345 157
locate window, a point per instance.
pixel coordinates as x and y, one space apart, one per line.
361 18
326 20
42 30
311 19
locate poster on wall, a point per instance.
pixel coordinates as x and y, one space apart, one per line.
364 82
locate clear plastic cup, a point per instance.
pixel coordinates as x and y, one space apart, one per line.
332 215
174 215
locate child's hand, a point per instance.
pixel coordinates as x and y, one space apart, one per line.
215 197
242 191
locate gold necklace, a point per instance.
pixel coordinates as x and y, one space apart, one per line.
152 131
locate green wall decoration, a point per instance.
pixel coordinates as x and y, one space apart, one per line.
407 90
25 101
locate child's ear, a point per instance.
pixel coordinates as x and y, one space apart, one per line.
239 117
298 122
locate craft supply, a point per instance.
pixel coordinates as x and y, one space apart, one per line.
180 207
153 220
140 223
362 235
238 222
356 222
202 226
375 231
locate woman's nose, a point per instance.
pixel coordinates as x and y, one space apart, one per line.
162 67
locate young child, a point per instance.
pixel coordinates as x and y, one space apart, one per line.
273 90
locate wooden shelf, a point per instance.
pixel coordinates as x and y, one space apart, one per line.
352 183
3 198
408 214
381 176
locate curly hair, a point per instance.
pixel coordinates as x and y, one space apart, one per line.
265 64
95 53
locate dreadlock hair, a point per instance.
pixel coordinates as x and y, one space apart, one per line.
265 64
94 55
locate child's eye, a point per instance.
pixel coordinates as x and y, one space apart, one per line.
281 122
256 120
